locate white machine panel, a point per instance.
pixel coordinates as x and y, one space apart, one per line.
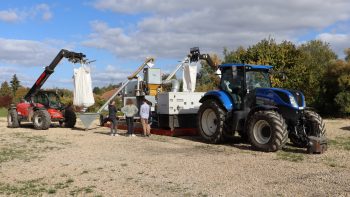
173 103
153 76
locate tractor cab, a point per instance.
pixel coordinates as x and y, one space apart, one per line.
49 99
239 80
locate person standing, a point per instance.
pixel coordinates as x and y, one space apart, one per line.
144 115
112 112
130 110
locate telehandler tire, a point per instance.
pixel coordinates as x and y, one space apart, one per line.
267 131
12 119
211 120
41 120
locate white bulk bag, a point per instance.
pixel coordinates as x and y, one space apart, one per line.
83 95
189 77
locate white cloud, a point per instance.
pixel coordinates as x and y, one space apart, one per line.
338 42
25 52
6 73
110 75
44 10
8 16
171 27
17 15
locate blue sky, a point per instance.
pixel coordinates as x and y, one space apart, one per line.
120 34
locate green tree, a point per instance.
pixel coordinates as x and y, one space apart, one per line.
96 90
336 83
15 84
309 72
5 89
207 78
347 54
304 65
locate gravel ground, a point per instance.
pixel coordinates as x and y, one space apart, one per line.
63 162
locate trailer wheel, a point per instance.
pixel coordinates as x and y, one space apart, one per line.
41 120
211 120
70 118
314 126
12 119
267 131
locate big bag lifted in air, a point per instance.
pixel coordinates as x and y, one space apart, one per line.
83 95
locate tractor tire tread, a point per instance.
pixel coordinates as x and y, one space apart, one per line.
218 137
278 125
14 116
46 120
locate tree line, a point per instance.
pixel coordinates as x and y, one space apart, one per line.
312 67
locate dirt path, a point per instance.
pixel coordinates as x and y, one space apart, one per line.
62 162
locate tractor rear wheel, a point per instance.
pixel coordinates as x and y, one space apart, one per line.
12 119
70 118
211 120
41 120
267 131
314 126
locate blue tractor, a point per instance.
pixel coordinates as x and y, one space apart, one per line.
246 103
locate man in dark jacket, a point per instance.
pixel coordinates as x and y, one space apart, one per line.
112 117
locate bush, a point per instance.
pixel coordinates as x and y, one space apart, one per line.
343 101
5 101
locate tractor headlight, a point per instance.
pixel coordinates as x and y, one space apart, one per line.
293 102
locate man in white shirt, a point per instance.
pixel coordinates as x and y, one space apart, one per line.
144 114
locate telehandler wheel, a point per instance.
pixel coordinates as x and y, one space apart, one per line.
41 120
70 118
314 126
267 131
12 119
211 118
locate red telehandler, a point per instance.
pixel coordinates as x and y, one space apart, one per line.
43 107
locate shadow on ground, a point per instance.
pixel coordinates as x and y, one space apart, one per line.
346 128
238 142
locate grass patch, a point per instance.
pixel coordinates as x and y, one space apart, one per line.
8 154
24 188
332 162
33 187
3 112
51 191
341 143
289 156
82 190
70 181
84 172
63 185
26 147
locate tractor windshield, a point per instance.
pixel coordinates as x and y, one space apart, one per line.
54 100
258 79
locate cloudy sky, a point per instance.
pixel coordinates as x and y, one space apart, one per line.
120 34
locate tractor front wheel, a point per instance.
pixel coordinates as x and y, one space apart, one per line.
211 118
267 131
12 119
41 120
70 118
314 126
